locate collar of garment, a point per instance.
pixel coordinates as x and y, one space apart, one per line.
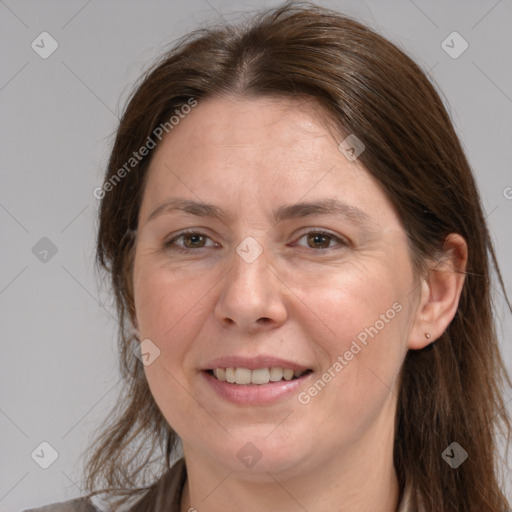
179 477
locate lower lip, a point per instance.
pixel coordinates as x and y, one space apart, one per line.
255 394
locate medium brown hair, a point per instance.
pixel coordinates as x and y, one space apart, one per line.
452 390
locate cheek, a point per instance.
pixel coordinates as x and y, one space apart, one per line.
359 334
344 303
169 313
168 308
164 298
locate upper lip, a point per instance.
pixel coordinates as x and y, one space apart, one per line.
253 363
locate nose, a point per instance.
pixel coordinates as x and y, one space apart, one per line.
252 297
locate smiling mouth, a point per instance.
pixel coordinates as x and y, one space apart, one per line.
260 376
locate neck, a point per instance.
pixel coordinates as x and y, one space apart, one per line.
358 479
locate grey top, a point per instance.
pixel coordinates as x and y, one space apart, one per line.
76 505
177 479
177 482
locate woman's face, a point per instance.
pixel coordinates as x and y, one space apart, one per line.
258 276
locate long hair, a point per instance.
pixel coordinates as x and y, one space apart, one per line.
450 391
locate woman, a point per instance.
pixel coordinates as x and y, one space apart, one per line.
301 267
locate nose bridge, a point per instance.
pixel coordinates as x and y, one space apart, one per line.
250 273
250 289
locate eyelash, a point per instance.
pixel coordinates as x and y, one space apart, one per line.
170 244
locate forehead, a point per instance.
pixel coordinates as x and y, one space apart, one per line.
267 133
278 150
232 126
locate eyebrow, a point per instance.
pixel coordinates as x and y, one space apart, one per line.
328 206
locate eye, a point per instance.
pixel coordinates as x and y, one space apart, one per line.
192 240
196 240
322 239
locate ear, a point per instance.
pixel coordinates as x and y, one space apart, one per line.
440 293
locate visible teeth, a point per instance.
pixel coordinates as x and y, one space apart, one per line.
258 376
220 373
288 374
242 376
230 375
276 374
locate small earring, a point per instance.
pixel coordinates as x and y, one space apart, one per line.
427 335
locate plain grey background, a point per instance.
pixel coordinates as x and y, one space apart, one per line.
59 374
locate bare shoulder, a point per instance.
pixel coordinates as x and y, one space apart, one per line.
75 505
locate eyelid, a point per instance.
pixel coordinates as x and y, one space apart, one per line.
342 241
190 231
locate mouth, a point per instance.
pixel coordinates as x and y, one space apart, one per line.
258 376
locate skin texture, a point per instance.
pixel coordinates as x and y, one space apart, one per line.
304 299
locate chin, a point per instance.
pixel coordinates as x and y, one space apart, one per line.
253 457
